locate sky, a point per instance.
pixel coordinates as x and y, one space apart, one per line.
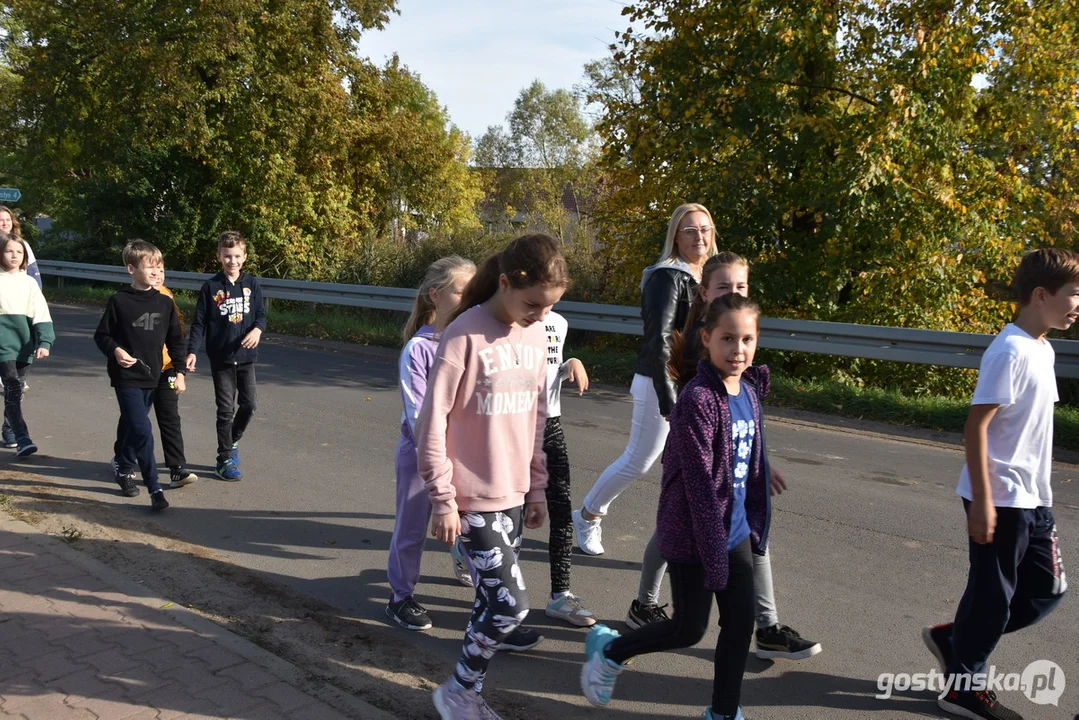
477 55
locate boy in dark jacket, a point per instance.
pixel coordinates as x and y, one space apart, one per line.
231 315
138 322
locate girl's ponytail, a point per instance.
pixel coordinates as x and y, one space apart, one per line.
438 276
529 260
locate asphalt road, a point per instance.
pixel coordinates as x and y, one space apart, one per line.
868 544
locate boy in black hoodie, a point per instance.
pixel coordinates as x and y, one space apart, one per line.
231 315
137 323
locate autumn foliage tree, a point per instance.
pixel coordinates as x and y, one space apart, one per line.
175 120
879 162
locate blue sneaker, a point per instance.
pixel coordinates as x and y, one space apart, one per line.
9 440
227 471
234 455
709 715
599 674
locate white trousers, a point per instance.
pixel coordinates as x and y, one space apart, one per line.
647 435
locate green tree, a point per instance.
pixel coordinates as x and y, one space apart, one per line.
545 152
842 146
173 121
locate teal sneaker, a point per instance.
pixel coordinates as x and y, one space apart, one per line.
599 674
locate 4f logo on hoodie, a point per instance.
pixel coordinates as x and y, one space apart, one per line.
147 321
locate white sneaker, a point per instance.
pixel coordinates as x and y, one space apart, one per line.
589 534
569 608
455 702
460 563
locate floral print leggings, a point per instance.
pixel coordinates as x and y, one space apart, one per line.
492 541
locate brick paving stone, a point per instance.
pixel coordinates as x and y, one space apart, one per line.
284 696
53 665
249 675
138 680
229 698
173 701
53 707
112 705
216 657
86 683
85 643
113 660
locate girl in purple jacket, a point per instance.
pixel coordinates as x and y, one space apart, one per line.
436 298
713 513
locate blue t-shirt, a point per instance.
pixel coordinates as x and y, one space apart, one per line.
743 432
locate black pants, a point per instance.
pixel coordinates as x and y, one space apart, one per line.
19 370
234 392
167 408
692 607
1014 582
12 373
136 447
559 505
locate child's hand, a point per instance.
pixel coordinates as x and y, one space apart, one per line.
42 352
578 375
123 358
535 514
251 339
190 363
777 482
982 522
446 528
181 383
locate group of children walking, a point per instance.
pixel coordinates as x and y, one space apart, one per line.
482 456
141 334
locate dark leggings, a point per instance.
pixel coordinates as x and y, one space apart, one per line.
692 608
492 541
12 374
559 505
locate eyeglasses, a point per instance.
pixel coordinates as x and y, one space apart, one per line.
694 231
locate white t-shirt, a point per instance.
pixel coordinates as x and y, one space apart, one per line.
557 371
1017 373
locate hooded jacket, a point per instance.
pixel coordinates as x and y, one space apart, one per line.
694 515
666 294
226 311
141 322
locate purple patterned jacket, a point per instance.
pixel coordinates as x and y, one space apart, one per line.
694 515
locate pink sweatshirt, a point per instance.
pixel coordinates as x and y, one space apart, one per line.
479 436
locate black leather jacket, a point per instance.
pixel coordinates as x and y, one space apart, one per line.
665 301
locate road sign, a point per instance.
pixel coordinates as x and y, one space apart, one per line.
10 195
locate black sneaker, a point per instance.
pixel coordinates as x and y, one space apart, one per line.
520 640
180 477
158 501
977 705
640 615
126 481
409 614
780 641
939 641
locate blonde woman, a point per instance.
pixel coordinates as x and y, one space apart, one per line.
667 290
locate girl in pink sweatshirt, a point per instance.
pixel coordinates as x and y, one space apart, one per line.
479 441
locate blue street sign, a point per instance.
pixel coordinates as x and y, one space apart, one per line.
10 195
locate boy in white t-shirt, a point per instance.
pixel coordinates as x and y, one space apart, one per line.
1016 574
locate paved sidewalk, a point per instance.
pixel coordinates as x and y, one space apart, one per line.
77 640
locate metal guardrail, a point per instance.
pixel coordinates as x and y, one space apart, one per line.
926 347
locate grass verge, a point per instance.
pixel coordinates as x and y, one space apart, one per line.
612 363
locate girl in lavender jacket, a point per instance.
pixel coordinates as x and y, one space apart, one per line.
713 513
436 298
